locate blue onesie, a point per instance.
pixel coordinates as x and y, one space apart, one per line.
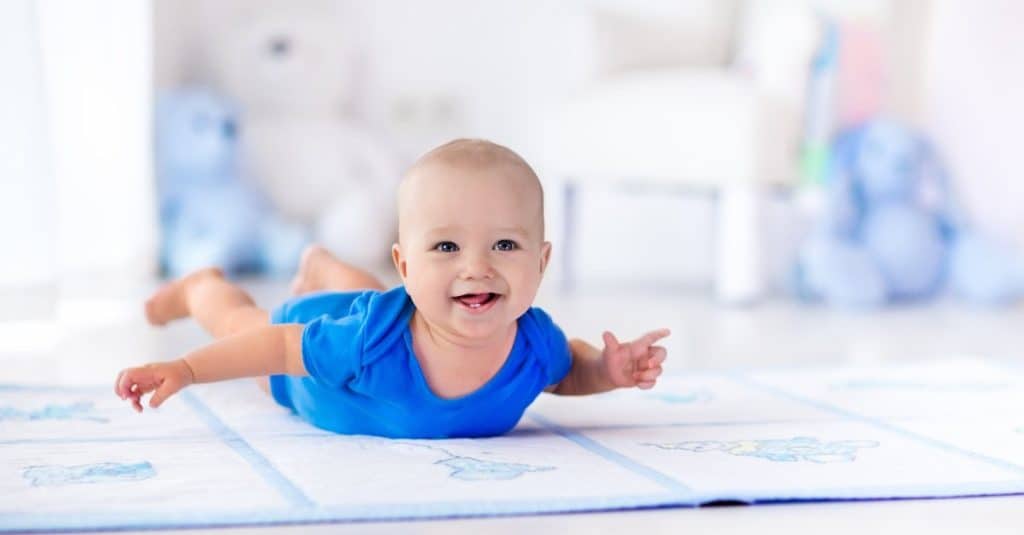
364 377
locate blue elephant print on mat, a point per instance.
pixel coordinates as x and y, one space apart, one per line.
474 469
76 411
55 475
470 469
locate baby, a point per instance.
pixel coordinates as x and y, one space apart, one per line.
456 351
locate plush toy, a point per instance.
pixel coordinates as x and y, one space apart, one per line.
208 215
891 231
293 73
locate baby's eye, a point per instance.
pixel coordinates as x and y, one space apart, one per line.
446 247
505 245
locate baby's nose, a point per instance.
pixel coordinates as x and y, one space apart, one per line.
477 267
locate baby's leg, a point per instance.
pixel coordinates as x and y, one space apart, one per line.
320 270
217 305
221 308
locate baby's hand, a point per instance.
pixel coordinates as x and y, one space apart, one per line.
636 363
165 378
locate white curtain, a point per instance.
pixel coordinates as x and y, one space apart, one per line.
76 172
27 193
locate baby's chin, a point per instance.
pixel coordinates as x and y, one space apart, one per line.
480 333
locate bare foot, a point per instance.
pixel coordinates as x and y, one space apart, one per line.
311 276
168 303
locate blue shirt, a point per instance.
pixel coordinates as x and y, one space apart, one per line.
364 377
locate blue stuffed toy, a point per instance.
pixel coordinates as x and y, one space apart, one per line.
891 232
208 215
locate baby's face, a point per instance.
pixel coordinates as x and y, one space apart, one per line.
471 250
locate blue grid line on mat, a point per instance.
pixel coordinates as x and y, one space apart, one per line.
261 464
932 442
609 454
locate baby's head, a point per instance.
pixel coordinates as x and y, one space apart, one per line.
471 247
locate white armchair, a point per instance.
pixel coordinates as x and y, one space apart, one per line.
723 114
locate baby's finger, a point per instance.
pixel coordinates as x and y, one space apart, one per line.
653 336
124 384
647 385
647 375
117 385
658 355
610 341
651 358
132 380
136 398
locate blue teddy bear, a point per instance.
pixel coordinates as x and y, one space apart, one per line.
208 215
891 232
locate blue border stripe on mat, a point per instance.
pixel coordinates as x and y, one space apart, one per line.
76 521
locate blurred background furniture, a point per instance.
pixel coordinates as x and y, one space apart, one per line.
704 96
945 66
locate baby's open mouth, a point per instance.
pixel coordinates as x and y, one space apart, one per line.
476 300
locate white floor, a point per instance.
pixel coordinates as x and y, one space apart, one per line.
99 329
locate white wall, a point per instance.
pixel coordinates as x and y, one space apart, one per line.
974 80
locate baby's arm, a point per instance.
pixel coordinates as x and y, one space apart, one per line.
636 363
269 350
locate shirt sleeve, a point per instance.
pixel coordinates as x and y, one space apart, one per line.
334 332
332 348
557 357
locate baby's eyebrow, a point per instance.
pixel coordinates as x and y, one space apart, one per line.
514 230
440 231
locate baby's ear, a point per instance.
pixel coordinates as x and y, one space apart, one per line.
545 256
396 257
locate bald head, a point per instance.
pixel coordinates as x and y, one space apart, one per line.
462 165
478 153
